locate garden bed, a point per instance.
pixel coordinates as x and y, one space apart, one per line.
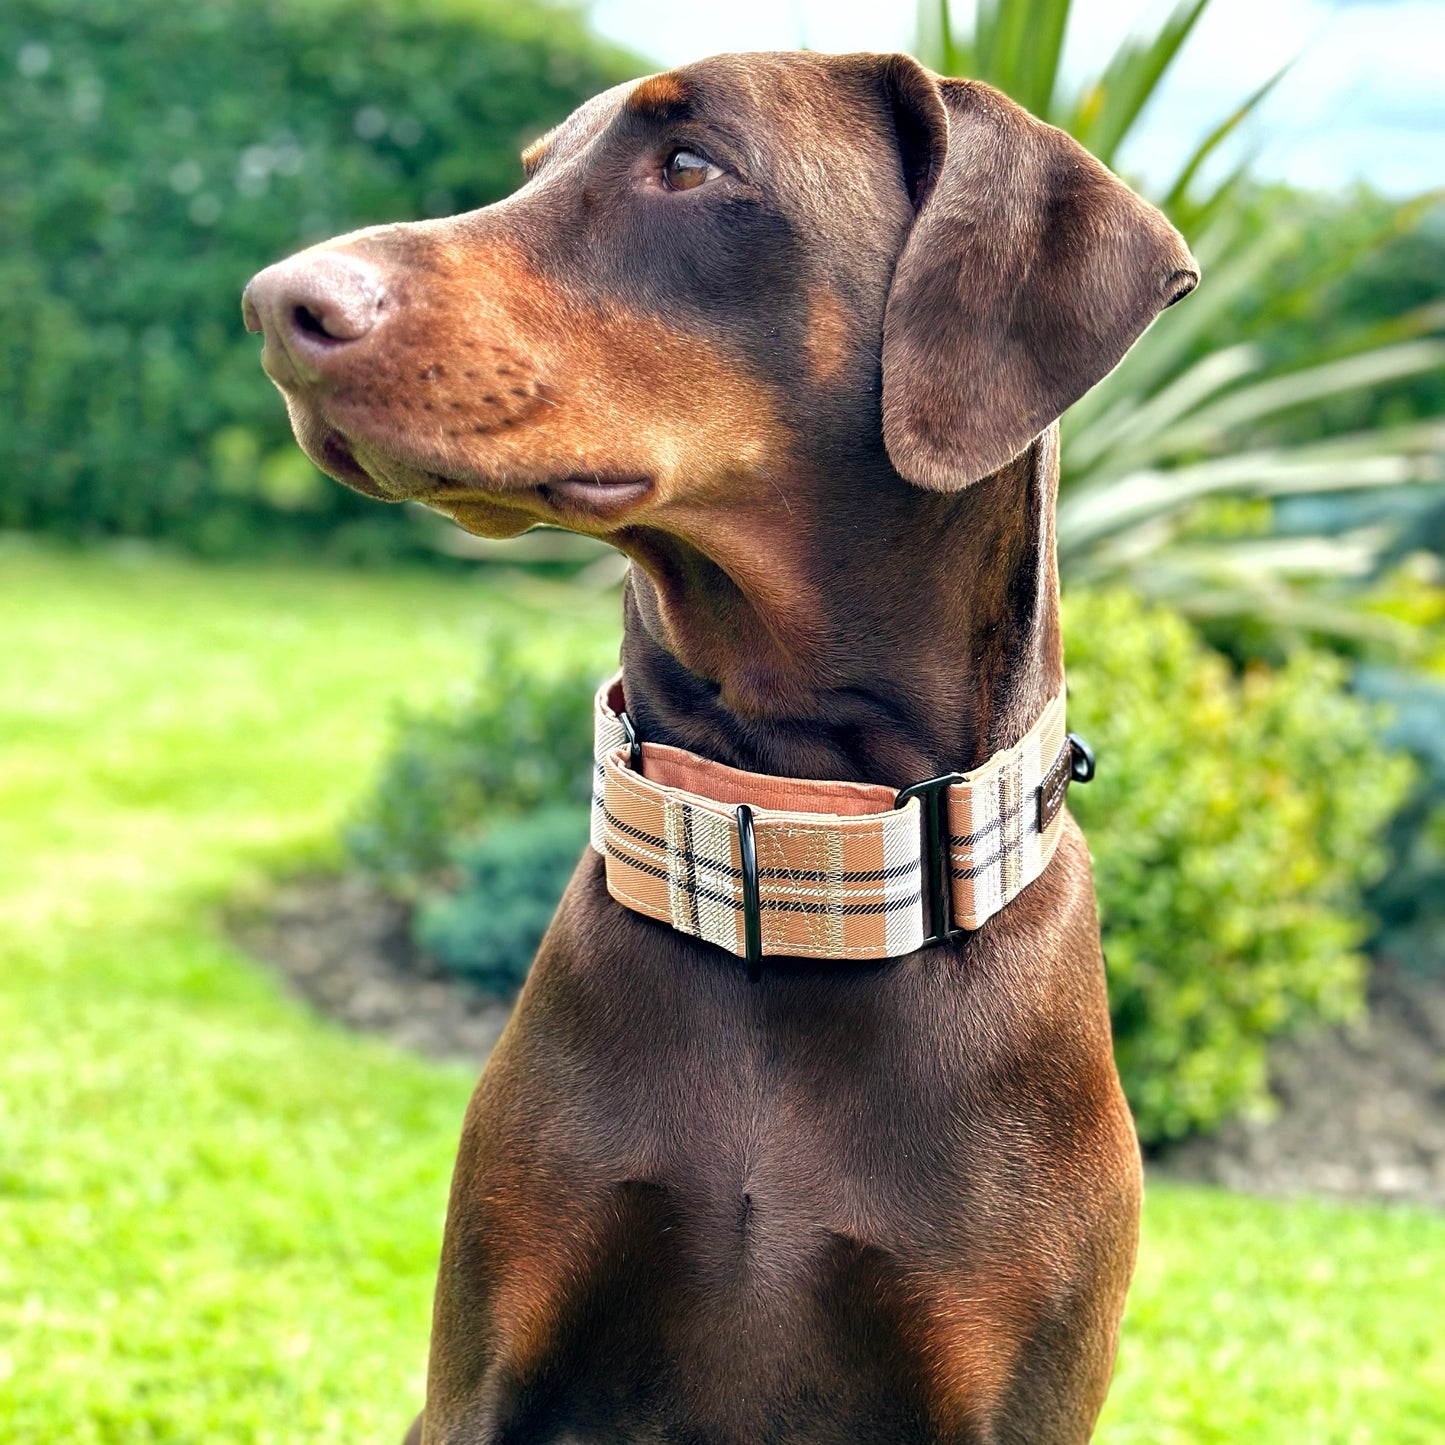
1361 1108
344 946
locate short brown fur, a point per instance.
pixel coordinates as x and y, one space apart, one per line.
813 400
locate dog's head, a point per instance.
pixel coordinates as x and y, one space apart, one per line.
713 280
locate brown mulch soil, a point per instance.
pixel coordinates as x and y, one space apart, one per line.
1361 1109
343 946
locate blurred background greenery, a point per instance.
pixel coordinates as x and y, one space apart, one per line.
1251 532
152 155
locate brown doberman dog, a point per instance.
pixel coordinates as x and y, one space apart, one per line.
791 331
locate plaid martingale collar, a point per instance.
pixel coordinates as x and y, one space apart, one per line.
762 865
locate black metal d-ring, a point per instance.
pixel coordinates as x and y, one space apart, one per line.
1081 764
752 905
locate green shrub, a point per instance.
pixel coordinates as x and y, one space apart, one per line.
518 740
509 880
153 155
1233 824
1409 900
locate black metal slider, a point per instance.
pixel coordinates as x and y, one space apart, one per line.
634 743
752 906
933 792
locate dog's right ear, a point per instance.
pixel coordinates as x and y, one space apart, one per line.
1029 271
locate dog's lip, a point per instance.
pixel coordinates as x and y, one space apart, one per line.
338 458
389 476
594 493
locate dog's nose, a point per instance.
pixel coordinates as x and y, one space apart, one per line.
314 306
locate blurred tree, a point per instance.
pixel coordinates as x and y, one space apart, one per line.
152 156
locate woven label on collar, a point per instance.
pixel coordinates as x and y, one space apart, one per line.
1055 786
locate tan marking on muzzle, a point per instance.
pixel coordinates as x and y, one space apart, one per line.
491 370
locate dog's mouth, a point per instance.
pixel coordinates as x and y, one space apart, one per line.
583 496
338 459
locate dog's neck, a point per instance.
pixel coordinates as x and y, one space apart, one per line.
886 641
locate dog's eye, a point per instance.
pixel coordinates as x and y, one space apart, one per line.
686 169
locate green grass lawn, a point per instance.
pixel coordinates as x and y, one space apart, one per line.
219 1215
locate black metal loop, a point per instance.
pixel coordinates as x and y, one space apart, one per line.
752 904
1081 766
935 850
634 743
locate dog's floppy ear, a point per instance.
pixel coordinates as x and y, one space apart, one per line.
1029 271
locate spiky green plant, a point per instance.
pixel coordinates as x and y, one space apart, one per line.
1200 415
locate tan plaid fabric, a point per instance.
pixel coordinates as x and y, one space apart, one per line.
840 869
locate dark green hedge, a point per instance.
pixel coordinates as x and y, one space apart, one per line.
153 155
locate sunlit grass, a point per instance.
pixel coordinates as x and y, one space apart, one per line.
219 1215
1297 1323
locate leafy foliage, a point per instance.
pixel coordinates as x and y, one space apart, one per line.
1210 408
1018 45
1233 824
152 157
509 881
480 813
1410 899
1160 456
518 740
